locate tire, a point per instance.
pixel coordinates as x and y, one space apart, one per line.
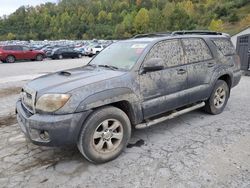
60 57
112 130
218 99
10 59
39 57
79 56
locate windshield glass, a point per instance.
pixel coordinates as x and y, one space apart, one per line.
122 55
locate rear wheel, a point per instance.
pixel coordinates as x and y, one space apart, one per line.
79 55
218 99
104 135
60 56
10 59
39 57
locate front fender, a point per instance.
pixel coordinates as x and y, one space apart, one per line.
110 96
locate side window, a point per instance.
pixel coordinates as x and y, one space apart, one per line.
170 51
25 48
225 46
17 48
196 50
7 47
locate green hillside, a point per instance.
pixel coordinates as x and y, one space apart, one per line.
108 19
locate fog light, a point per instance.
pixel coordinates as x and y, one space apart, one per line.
44 135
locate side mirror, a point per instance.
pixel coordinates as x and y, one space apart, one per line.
153 64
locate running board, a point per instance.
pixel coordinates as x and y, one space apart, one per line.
170 116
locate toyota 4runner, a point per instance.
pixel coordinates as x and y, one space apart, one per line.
137 82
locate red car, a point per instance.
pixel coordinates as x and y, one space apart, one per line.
11 53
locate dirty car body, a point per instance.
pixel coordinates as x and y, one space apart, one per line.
162 74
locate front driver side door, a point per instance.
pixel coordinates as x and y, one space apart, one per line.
27 54
164 90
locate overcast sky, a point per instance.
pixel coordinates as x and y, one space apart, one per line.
9 6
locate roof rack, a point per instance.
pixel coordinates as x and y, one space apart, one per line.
153 35
196 32
184 32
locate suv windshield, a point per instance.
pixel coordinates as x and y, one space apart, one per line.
122 55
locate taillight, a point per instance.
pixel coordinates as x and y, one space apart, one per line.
237 62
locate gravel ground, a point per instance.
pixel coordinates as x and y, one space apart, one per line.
193 150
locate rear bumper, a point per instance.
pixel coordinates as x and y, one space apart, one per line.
60 130
236 78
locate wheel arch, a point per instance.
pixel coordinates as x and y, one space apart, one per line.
227 78
122 98
11 55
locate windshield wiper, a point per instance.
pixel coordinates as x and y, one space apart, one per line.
90 65
109 66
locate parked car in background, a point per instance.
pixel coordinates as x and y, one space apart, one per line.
60 53
11 53
93 50
81 50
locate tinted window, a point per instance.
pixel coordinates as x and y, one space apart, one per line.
7 47
25 48
17 48
225 46
170 51
196 50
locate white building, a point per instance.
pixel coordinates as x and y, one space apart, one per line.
243 32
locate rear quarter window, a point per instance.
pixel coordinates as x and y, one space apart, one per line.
7 47
225 46
196 50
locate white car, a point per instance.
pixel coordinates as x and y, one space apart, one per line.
93 50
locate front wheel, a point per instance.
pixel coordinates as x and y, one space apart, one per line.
39 57
60 56
104 135
218 99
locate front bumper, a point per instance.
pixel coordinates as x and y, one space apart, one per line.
50 130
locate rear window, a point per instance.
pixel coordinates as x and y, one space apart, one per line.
225 46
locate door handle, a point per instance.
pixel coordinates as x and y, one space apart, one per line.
181 71
210 64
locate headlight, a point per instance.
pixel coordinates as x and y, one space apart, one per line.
51 102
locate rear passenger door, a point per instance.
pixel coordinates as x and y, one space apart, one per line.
164 90
17 52
200 67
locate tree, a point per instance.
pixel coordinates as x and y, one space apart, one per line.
245 22
11 36
102 16
216 25
141 21
180 20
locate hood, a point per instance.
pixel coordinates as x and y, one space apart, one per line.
68 80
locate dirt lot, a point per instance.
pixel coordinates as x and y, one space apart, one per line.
193 150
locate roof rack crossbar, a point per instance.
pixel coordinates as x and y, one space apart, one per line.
197 32
152 35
